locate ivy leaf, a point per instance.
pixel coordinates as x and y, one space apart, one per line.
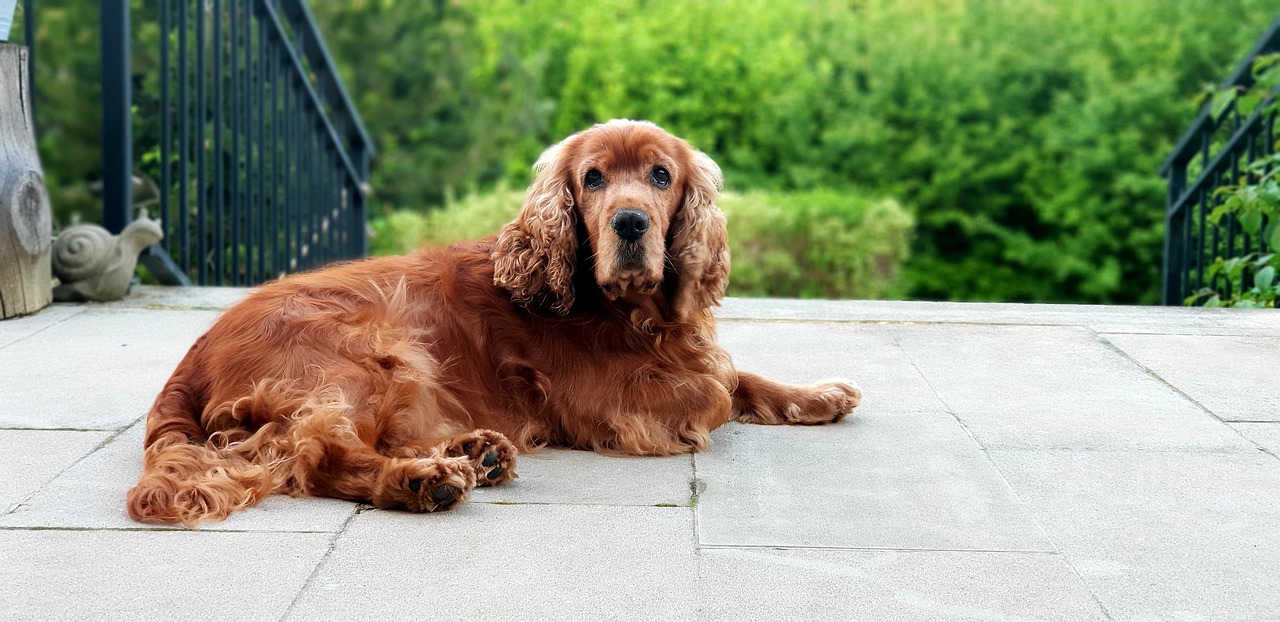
1221 101
1265 277
1269 192
1273 242
1251 221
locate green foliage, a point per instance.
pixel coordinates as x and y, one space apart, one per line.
820 244
444 115
1254 203
1023 136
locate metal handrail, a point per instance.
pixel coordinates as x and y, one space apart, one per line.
1192 240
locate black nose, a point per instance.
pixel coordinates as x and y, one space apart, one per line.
630 224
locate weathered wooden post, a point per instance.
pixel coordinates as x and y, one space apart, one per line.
26 224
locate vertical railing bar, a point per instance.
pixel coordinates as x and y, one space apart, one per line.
202 181
247 207
184 160
166 133
337 209
278 234
1200 240
117 122
259 200
249 165
295 168
316 200
330 206
1250 157
244 169
1184 268
304 177
219 192
233 186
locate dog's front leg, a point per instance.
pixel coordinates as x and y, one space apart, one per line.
760 400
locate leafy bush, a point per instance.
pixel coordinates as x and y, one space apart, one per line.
821 244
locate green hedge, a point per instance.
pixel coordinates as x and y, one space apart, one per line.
821 244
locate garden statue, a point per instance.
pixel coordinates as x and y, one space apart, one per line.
95 265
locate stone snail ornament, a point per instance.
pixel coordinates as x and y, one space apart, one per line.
94 265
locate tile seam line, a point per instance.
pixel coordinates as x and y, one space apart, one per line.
103 443
155 529
871 549
78 312
867 322
320 564
1008 486
1101 338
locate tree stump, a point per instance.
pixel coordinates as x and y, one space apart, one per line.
26 223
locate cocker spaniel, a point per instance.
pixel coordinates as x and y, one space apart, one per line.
408 381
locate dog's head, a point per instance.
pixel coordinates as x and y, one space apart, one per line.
645 202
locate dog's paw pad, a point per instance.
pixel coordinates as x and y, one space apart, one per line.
491 454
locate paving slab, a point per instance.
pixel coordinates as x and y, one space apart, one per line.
1234 377
745 585
1045 387
1266 435
158 297
1163 320
153 575
91 495
874 482
585 478
807 352
1161 535
14 329
30 458
99 369
509 562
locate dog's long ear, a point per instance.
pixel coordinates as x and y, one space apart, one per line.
536 252
699 249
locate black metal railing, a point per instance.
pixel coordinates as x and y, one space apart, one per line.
256 157
1215 152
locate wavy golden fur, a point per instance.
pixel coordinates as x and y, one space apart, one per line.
407 381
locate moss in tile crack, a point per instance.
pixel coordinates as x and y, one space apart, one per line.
696 488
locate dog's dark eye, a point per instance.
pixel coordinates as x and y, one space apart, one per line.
660 177
594 180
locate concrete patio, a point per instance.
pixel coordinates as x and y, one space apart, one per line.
1010 462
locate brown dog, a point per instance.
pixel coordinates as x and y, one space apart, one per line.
408 381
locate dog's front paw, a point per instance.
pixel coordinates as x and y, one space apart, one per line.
822 403
773 403
424 484
491 455
829 402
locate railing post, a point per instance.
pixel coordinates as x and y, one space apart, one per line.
117 134
1174 250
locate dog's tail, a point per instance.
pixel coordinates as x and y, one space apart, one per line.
187 477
